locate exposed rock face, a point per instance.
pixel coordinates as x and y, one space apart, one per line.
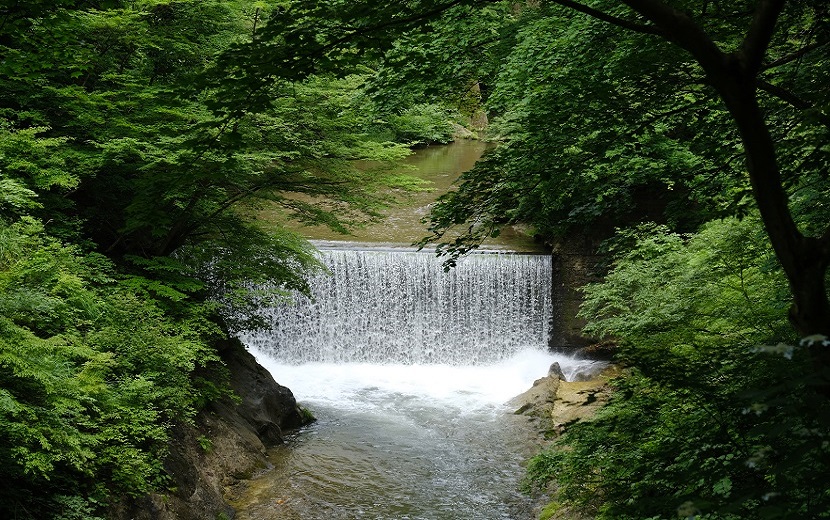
556 403
573 265
228 443
460 132
578 260
267 407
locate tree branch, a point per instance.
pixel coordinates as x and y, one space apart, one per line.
791 99
677 27
227 203
760 32
784 95
794 56
605 17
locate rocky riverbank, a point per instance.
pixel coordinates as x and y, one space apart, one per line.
226 444
553 404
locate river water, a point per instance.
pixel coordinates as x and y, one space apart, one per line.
398 442
440 166
409 370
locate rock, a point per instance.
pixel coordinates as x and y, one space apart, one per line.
571 402
227 443
557 404
556 371
577 401
460 132
604 350
537 403
267 406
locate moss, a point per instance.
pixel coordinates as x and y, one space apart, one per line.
522 409
306 415
550 510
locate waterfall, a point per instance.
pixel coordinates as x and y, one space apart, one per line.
401 307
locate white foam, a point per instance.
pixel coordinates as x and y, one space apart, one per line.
466 388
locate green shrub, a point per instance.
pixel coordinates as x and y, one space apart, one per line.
706 422
422 124
91 378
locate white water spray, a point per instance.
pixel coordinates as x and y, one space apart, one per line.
389 325
397 307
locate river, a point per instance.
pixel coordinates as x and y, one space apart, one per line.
402 442
440 166
408 370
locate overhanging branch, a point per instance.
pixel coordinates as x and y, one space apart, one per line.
677 27
605 17
800 53
792 99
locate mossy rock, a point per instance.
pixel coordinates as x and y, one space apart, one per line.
550 510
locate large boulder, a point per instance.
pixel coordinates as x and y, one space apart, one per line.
555 403
266 406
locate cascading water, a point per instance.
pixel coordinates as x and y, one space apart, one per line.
407 369
402 307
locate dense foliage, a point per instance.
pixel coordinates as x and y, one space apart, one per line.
125 201
603 126
94 371
715 418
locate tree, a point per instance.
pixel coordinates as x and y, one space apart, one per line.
741 65
93 372
749 53
103 117
737 76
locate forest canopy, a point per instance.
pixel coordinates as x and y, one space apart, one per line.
127 250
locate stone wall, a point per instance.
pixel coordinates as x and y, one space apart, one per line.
575 262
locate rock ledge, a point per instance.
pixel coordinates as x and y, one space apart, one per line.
226 444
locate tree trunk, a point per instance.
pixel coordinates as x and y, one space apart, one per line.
804 259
